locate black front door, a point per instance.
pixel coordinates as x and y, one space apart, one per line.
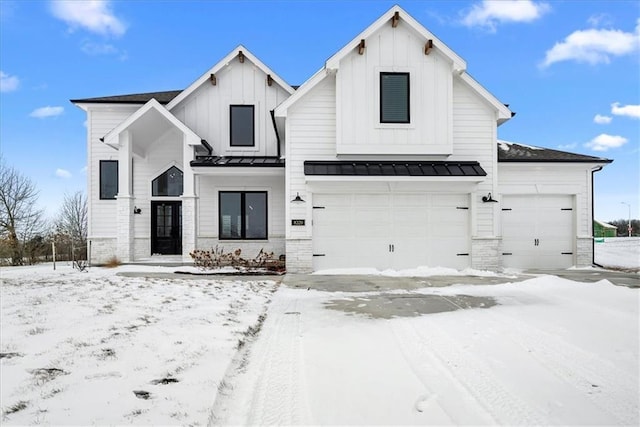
166 228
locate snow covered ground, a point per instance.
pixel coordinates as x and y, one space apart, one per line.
100 348
97 348
551 352
619 252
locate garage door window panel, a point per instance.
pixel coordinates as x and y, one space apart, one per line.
243 215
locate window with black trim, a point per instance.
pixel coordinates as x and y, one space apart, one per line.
168 184
394 98
108 179
242 125
242 215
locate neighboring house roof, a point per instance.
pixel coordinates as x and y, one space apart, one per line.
236 161
136 98
333 63
393 168
206 77
605 224
514 152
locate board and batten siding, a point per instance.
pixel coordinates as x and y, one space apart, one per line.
206 110
102 213
399 49
570 179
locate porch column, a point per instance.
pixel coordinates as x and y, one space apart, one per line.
188 202
125 199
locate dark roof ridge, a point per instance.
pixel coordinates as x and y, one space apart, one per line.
163 97
516 152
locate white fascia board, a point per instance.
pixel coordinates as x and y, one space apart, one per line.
459 64
281 110
237 171
223 63
401 178
504 113
111 138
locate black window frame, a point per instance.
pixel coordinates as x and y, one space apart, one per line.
160 177
408 106
117 180
243 215
253 125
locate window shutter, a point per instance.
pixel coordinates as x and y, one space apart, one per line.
394 97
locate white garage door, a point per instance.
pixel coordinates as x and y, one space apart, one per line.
538 231
396 231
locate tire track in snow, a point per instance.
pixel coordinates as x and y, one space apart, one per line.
276 399
469 372
616 390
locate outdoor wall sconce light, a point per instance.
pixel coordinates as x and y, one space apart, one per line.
298 199
488 198
137 210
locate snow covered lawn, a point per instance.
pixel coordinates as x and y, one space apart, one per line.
619 252
549 352
97 348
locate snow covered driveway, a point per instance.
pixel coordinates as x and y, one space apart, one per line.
101 349
551 351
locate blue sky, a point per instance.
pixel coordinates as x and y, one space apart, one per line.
569 69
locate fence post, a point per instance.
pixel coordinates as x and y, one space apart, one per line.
53 250
89 258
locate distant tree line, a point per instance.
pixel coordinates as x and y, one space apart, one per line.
622 225
26 236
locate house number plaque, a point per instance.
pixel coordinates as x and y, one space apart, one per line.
297 222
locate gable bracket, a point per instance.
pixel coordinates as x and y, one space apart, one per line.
269 80
212 77
241 57
361 47
428 46
395 19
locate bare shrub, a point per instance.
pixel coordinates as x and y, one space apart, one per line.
113 262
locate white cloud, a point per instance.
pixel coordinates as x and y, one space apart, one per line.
594 46
98 48
490 13
48 111
568 146
600 19
602 120
632 111
84 170
95 16
63 173
604 142
8 83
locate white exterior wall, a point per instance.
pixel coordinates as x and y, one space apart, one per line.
207 210
206 110
399 49
102 214
567 179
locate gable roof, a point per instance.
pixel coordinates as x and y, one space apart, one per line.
111 137
223 63
514 152
459 65
136 98
605 224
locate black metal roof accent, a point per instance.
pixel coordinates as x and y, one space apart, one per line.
393 168
137 98
237 161
513 152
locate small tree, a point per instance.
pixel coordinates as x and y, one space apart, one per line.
72 220
20 220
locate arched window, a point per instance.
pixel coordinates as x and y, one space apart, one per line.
168 184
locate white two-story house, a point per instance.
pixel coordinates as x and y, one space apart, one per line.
388 157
